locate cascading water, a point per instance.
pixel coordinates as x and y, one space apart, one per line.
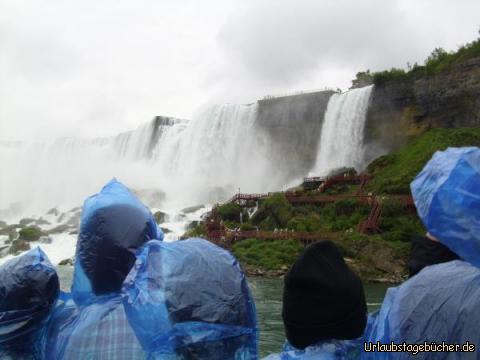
63 172
204 160
176 163
341 140
219 151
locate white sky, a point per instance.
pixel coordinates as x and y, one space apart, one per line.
94 68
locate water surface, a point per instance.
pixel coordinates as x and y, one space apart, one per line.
268 299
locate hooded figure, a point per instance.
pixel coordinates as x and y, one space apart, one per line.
324 307
92 324
28 292
190 300
441 302
114 225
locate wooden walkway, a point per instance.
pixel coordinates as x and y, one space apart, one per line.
220 235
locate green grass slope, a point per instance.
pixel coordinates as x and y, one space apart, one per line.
393 173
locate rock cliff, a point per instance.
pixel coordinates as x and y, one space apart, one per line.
291 126
406 106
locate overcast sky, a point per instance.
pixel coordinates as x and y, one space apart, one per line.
94 68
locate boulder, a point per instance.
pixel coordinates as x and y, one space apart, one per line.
52 211
45 239
26 221
160 217
59 229
42 221
179 217
19 245
66 262
165 230
192 209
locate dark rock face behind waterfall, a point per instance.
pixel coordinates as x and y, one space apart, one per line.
407 106
291 126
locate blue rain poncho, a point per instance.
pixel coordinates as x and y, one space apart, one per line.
447 196
29 289
325 350
438 304
190 300
182 300
114 224
90 323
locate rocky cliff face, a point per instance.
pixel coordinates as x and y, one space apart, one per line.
291 126
404 107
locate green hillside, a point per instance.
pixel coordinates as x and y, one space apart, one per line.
393 173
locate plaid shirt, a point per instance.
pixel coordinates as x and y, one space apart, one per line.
108 338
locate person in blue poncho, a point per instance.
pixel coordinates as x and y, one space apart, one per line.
190 300
438 306
135 297
29 289
93 324
324 307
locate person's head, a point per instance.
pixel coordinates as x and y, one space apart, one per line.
191 298
29 289
447 197
322 299
426 251
114 224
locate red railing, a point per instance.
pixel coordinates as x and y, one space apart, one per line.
225 237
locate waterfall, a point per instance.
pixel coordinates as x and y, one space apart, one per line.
255 147
217 153
341 139
63 172
202 160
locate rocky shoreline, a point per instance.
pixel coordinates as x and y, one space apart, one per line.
258 272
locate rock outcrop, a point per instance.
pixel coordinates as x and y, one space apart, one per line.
407 106
291 126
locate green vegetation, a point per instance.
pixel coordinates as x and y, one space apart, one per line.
268 255
438 61
30 233
374 256
230 212
274 213
195 230
393 173
362 79
396 225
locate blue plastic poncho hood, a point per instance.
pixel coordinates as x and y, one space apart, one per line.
447 196
438 304
114 224
190 299
29 289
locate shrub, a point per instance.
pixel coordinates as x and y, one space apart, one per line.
230 211
269 255
274 212
30 233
